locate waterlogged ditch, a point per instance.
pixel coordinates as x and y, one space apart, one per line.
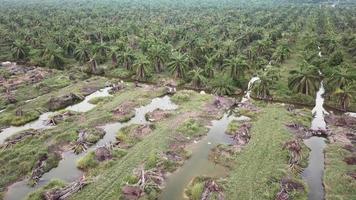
42 121
67 170
314 173
199 163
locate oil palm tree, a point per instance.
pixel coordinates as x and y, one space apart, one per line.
305 80
340 76
345 95
262 87
126 57
157 55
53 54
281 54
179 64
141 65
82 52
237 65
209 66
19 50
222 86
198 78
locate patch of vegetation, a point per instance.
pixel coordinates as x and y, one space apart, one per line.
192 128
181 96
10 118
126 136
88 161
232 127
337 176
100 100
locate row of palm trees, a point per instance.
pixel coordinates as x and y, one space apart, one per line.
205 47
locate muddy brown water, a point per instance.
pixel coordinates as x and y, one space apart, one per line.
67 170
41 122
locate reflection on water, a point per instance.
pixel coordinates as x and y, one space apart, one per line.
41 122
318 111
199 164
67 170
313 174
85 106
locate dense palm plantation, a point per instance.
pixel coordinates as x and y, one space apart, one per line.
290 47
220 42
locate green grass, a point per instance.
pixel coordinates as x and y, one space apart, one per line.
125 135
262 163
192 128
88 161
100 100
338 185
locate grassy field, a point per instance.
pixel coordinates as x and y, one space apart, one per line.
261 165
338 185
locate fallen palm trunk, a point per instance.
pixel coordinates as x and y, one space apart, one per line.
19 137
39 169
81 144
295 153
66 192
54 120
303 132
147 180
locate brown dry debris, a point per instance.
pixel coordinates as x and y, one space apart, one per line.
157 115
210 188
66 192
142 130
295 153
351 160
124 109
54 120
287 186
19 137
146 179
242 136
20 75
102 154
341 120
38 170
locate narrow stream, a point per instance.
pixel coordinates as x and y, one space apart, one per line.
67 170
199 163
314 173
41 122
